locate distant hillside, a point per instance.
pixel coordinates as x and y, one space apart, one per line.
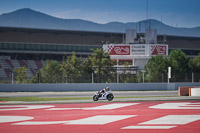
33 19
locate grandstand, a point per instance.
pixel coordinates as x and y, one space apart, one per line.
32 47
7 66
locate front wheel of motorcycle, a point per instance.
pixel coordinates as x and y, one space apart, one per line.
110 97
95 98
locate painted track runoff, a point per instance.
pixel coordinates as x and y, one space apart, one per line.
121 117
88 94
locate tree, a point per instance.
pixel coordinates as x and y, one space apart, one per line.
73 68
178 61
194 64
64 69
87 71
21 74
156 66
36 78
51 73
139 76
125 75
102 64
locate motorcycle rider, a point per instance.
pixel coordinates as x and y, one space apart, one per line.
104 94
103 91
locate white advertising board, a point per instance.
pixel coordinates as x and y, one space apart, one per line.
140 50
136 50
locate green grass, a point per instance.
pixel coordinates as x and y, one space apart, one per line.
63 98
146 96
40 99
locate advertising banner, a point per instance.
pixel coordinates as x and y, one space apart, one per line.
159 50
136 49
118 49
140 50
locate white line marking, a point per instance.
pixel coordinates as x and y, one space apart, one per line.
111 106
40 122
63 108
108 106
4 119
174 119
177 106
24 107
148 127
99 119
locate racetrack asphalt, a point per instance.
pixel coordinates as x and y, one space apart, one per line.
88 94
120 96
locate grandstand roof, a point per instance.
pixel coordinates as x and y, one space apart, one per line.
11 34
29 35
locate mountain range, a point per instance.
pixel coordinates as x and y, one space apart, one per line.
29 18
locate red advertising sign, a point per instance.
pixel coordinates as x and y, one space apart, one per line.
119 50
158 50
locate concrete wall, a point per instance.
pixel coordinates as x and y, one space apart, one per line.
92 87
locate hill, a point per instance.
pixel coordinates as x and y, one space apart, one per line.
29 18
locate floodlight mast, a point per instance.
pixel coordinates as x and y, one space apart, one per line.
147 22
147 10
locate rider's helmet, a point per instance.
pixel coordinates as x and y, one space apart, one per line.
107 88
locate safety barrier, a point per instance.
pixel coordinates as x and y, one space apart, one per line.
184 91
189 91
194 91
93 87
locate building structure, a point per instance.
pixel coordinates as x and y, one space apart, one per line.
32 47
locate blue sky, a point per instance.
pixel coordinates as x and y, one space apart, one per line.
181 13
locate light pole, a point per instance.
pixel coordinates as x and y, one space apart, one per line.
169 73
12 78
92 78
143 76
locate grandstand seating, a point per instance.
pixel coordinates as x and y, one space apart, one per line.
9 63
2 73
8 66
22 63
39 64
31 64
8 72
15 63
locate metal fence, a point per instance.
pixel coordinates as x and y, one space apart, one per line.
111 78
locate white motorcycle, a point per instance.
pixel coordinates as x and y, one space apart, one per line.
105 96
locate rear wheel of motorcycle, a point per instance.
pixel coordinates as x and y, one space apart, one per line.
110 97
95 98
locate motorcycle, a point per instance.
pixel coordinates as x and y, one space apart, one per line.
103 96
